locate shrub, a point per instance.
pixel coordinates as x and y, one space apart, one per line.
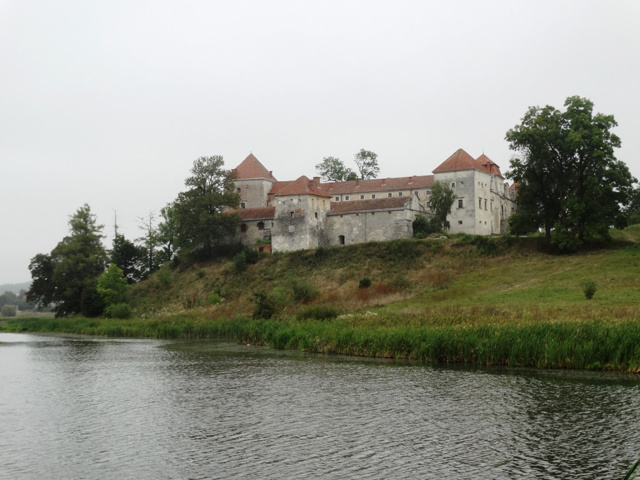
119 310
8 311
303 292
265 305
163 277
244 258
365 282
318 312
214 298
589 288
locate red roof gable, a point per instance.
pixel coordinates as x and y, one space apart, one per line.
378 185
302 186
460 160
256 213
394 203
252 168
488 165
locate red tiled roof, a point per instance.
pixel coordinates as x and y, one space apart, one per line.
378 185
394 203
460 160
279 186
252 168
255 213
488 165
302 186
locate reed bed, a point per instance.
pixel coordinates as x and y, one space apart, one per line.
587 344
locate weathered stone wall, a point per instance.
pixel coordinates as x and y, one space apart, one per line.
251 233
254 192
299 222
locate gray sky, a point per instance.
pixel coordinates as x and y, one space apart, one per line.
109 102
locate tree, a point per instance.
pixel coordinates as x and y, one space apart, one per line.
332 169
202 220
441 201
570 182
129 257
166 234
71 267
149 242
367 163
112 287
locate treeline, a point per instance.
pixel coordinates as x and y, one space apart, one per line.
81 275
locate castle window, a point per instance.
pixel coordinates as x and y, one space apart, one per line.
428 193
479 202
260 225
389 194
399 194
239 190
373 196
346 197
459 222
453 184
337 199
341 239
316 214
460 203
243 205
243 227
291 213
485 203
361 197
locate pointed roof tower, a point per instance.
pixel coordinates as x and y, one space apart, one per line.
488 165
251 168
303 186
460 160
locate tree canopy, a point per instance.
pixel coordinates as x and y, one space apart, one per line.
367 162
201 212
570 182
333 169
62 276
441 201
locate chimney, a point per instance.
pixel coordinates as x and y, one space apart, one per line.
410 180
357 183
384 182
316 181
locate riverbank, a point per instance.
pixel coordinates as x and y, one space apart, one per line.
590 344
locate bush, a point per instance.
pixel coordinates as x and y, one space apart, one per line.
303 292
214 298
8 311
589 288
119 310
318 312
244 258
365 282
265 305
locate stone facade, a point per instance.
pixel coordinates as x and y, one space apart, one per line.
305 214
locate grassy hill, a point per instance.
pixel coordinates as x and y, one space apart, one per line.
464 299
413 281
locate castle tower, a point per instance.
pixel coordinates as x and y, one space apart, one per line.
253 182
300 215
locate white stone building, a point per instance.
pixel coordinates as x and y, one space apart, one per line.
306 213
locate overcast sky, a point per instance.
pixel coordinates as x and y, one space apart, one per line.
110 102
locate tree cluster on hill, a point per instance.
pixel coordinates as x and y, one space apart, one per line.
332 169
73 278
569 182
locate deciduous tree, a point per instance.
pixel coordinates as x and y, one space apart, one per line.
202 220
367 162
570 182
73 265
332 169
441 201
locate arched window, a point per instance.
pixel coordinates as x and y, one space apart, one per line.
260 225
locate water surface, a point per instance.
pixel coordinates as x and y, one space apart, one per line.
74 407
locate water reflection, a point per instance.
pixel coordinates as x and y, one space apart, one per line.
87 408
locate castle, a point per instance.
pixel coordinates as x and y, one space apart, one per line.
306 213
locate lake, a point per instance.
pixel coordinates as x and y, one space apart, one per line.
95 408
